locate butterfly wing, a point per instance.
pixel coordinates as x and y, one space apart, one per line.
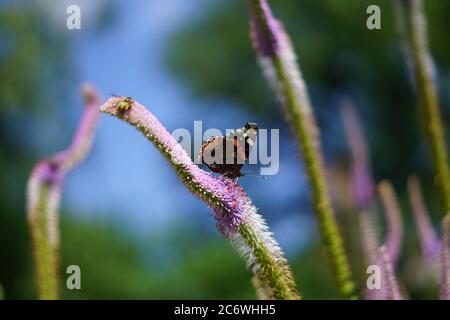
227 154
244 140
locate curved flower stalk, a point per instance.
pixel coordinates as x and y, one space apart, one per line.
277 59
413 24
236 217
390 284
445 259
44 193
393 214
429 241
370 247
363 185
369 237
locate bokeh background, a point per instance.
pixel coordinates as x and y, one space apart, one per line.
127 221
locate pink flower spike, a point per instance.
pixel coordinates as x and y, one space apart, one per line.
390 283
83 138
394 221
370 247
445 259
363 185
44 193
265 36
429 241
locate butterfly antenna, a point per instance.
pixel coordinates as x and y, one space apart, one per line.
251 174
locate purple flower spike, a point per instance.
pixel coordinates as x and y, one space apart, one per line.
445 259
44 193
83 138
429 241
389 280
236 217
278 61
394 221
370 246
265 38
363 185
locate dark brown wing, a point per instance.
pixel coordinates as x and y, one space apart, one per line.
220 155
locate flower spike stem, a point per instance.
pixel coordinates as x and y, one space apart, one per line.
391 287
236 217
445 259
369 237
43 198
429 241
361 175
413 24
394 234
278 62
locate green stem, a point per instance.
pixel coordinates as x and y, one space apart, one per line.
45 253
313 165
413 20
276 275
277 59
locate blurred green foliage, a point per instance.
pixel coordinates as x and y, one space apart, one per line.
113 267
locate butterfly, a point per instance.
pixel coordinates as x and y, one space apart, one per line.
226 155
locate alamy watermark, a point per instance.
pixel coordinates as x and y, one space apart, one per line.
74 279
264 147
373 22
374 279
73 21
